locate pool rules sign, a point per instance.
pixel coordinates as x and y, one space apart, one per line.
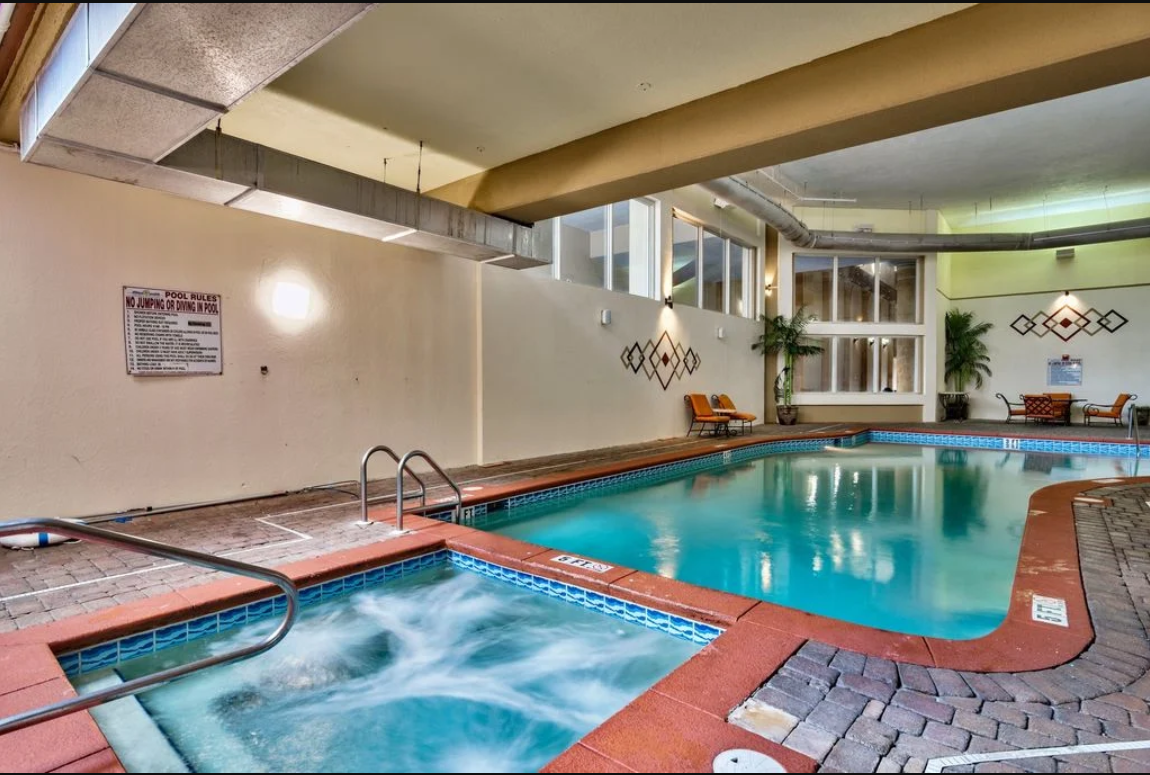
171 333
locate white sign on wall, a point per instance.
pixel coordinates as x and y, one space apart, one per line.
169 333
1063 372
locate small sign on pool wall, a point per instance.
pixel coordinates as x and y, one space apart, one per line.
579 562
1051 610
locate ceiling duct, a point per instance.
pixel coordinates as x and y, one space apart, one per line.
756 203
275 183
130 87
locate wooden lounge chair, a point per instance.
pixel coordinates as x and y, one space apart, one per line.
1012 410
1112 412
703 415
746 419
1040 408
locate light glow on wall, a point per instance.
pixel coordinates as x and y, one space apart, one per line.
291 300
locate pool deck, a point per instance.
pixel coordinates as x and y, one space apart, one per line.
846 697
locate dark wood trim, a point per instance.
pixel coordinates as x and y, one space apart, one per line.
13 41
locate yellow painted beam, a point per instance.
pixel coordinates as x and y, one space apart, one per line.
985 59
41 38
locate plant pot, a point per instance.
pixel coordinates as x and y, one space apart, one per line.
955 406
1142 415
787 415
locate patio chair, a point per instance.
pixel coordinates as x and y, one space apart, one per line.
1012 410
1040 408
1111 412
703 415
1062 403
746 419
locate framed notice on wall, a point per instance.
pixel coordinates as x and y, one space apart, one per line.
172 333
1063 372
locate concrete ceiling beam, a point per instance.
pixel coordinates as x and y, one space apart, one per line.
988 58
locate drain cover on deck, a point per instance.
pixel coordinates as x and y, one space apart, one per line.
744 760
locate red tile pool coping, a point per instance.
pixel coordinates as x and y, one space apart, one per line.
692 701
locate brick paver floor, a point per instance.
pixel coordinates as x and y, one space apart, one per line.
855 713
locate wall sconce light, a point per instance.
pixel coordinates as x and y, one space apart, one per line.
291 300
1066 293
604 317
669 301
770 288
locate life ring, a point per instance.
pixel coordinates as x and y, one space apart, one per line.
34 540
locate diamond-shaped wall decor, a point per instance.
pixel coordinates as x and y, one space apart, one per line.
1066 322
661 359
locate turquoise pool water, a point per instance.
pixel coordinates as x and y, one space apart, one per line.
920 540
446 671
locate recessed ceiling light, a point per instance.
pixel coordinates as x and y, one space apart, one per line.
644 86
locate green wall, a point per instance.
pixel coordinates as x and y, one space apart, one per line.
967 275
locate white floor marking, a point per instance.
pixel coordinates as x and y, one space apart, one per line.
937 765
300 538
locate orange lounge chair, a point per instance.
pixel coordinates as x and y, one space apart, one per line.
1112 412
703 415
1012 410
723 401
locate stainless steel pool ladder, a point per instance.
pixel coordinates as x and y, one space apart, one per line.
168 552
421 493
458 506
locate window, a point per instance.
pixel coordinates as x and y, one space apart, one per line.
814 282
582 247
862 364
813 373
855 290
740 267
713 264
867 311
684 263
854 358
610 247
898 290
898 358
708 269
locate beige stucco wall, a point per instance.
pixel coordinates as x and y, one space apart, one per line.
387 355
553 380
401 347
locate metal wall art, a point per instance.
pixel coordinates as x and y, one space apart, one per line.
661 359
1067 322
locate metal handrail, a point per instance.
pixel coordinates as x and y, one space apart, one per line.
399 486
422 494
156 549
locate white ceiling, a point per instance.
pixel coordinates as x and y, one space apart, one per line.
1087 147
485 83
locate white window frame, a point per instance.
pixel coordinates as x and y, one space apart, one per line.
874 330
653 252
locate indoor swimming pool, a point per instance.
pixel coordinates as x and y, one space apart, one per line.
920 540
442 671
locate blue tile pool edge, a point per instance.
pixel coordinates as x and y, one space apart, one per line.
651 474
109 653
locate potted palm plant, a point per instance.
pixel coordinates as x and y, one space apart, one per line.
787 336
967 361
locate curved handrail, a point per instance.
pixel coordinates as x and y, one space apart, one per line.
399 486
422 494
156 549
